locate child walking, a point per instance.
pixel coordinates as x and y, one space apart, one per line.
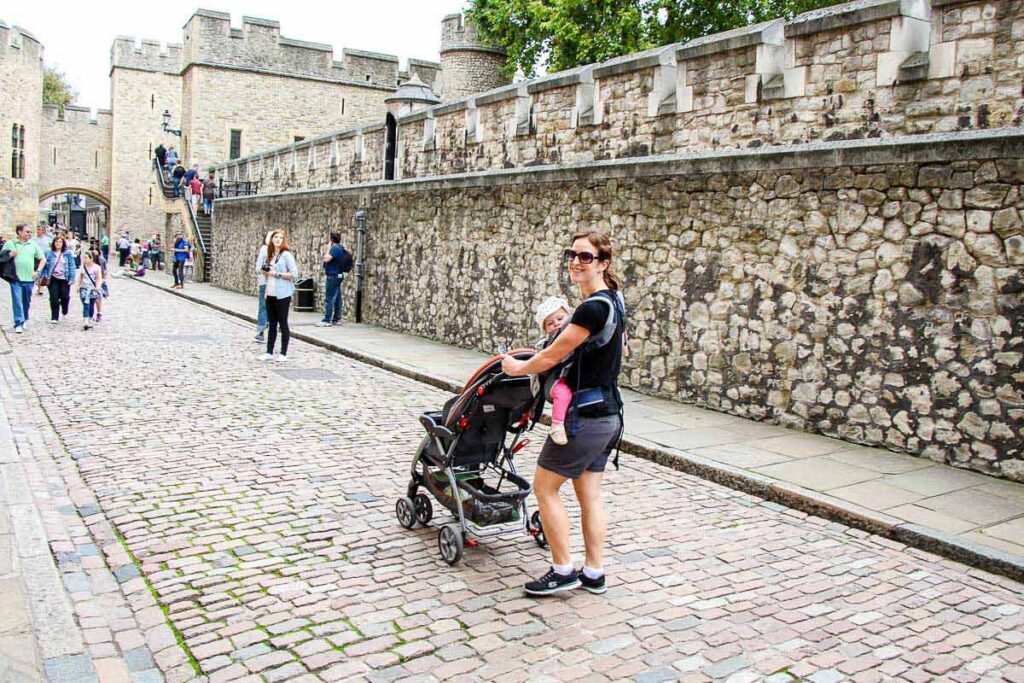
89 281
552 316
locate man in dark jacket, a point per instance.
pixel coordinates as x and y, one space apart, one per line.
161 154
177 176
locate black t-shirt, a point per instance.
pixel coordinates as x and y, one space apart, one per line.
597 367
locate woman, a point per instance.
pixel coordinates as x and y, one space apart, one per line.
98 259
261 289
89 283
281 271
60 270
598 425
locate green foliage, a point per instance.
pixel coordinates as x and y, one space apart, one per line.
561 34
56 89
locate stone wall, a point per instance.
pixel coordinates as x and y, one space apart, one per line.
75 152
867 69
21 82
868 290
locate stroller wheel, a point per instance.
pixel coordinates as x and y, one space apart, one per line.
538 533
424 510
405 512
449 541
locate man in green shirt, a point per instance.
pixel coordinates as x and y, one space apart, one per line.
26 255
105 246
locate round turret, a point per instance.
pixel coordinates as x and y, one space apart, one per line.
411 96
468 65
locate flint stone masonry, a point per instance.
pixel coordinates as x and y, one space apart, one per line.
861 70
868 290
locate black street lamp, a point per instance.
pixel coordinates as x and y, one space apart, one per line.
167 124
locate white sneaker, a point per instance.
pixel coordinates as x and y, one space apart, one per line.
266 356
18 329
88 325
282 359
25 324
558 435
53 322
321 323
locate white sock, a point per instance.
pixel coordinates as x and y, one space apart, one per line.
563 569
592 573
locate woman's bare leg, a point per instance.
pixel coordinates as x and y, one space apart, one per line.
588 493
552 513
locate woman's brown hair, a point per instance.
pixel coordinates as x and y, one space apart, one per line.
603 244
63 244
272 248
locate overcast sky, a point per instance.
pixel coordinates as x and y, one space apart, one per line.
77 35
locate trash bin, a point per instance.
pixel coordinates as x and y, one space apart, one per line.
305 295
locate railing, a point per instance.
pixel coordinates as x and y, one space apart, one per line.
237 188
201 253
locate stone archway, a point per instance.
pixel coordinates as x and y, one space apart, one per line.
92 222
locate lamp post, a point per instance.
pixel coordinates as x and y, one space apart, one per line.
360 260
167 124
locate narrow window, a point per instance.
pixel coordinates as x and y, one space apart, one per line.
235 150
343 106
367 78
298 138
150 150
152 101
151 195
54 156
96 160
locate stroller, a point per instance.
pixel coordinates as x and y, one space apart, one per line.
465 462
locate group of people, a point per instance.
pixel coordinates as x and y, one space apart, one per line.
145 254
188 182
56 261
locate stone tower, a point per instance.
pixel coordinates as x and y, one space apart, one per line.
468 65
411 96
21 116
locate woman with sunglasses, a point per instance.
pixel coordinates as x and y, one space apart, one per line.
597 417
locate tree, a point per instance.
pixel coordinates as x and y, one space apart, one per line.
561 34
56 89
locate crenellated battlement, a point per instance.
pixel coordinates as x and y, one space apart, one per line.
17 43
73 115
146 55
459 34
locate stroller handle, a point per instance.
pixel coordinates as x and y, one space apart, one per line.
518 354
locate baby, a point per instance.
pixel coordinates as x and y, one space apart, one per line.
552 315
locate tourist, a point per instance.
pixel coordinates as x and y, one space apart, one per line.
42 241
192 173
195 188
123 249
170 159
144 251
177 179
60 273
161 156
105 245
136 254
89 283
98 259
75 247
26 254
180 249
596 425
261 287
156 253
337 262
209 193
281 272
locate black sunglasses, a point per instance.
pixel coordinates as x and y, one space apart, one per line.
585 257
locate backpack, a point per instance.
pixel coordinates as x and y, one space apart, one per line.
345 262
8 269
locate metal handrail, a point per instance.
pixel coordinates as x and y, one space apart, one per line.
195 221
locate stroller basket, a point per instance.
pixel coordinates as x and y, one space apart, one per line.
481 504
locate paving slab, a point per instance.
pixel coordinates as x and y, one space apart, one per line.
817 473
935 481
975 506
875 494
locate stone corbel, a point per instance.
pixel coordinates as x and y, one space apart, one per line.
474 133
523 123
662 98
357 146
334 151
428 142
910 33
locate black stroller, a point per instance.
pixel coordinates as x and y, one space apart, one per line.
466 462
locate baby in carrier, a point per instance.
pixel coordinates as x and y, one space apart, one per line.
552 316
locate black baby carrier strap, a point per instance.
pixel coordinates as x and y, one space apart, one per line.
593 398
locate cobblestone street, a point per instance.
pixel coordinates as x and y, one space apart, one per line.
257 507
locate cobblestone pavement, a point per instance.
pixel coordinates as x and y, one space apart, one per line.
260 509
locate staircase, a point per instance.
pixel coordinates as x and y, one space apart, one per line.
201 224
204 225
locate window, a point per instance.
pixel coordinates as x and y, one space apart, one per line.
298 138
343 105
368 77
236 144
17 151
152 101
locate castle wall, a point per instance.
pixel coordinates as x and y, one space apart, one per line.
868 290
75 151
861 70
138 100
21 82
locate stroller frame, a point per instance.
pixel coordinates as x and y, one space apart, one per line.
432 456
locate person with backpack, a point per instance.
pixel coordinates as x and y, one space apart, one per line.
181 249
209 193
178 179
337 263
23 262
124 247
90 288
594 340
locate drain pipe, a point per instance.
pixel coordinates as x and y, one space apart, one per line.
360 261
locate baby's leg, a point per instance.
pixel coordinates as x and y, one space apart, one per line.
561 397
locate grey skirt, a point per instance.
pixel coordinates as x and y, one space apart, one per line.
587 451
